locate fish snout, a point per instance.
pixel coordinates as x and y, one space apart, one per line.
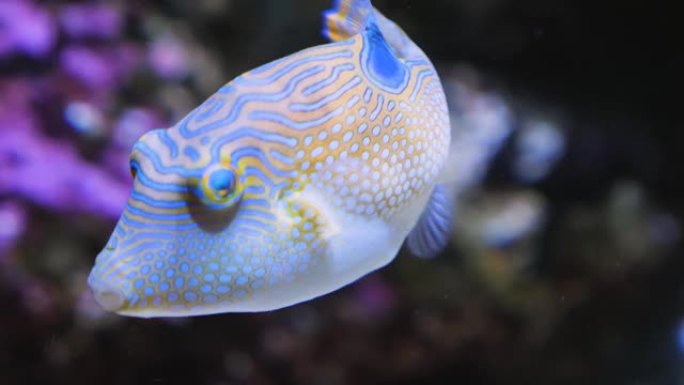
110 297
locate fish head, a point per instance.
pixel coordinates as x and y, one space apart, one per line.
177 219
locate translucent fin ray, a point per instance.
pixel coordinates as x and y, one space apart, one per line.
346 19
432 231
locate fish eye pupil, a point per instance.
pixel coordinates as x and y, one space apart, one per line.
133 169
221 181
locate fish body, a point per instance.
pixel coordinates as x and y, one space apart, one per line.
291 181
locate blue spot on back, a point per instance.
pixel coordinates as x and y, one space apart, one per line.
381 65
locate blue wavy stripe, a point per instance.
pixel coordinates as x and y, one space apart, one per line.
332 79
160 167
292 66
353 101
417 63
158 217
378 108
158 204
246 132
239 221
135 224
257 213
147 182
210 108
168 142
335 96
262 203
279 156
247 231
367 95
256 152
254 190
184 217
257 173
272 187
243 99
268 227
419 82
113 265
145 235
285 121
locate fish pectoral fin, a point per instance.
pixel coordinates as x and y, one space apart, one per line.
431 233
308 206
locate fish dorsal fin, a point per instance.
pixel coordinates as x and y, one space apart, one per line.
346 19
350 17
431 233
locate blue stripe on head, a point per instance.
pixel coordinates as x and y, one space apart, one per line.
169 142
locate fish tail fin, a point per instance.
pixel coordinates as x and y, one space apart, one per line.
346 18
350 17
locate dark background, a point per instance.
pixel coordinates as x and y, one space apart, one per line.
580 313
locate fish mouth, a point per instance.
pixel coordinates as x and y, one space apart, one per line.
107 295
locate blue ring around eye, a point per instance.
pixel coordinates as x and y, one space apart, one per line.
219 187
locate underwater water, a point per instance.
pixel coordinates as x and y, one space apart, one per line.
564 263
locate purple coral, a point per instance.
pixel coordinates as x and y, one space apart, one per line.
168 58
26 28
91 20
13 220
46 171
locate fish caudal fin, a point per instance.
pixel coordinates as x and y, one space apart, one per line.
346 19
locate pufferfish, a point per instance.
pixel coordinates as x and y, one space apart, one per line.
291 181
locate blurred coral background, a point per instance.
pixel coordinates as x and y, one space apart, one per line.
565 265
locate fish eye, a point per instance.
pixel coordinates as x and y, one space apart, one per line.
218 185
133 167
133 163
221 182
